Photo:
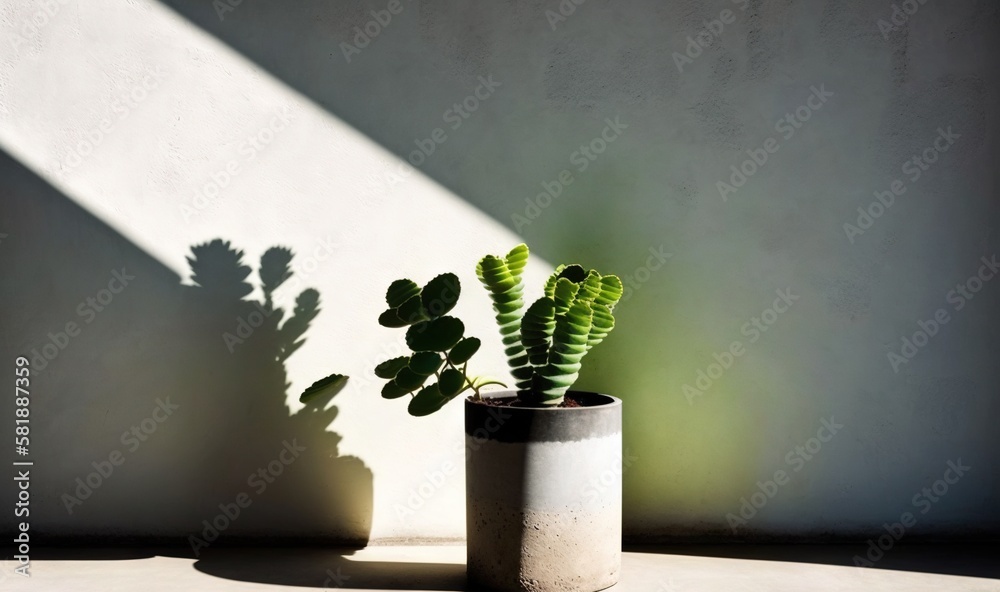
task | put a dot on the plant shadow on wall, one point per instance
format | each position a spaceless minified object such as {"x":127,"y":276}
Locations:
{"x":281,"y":461}
{"x":261,"y":338}
{"x":149,"y":421}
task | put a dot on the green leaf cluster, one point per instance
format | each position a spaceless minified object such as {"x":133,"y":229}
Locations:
{"x":546,"y":343}
{"x":435,"y":372}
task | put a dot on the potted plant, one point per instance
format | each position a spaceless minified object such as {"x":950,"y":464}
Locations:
{"x":534,"y":519}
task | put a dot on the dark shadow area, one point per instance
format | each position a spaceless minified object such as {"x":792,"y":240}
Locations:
{"x":158,"y":409}
{"x":447,"y":65}
{"x":306,"y":566}
{"x":328,"y":569}
{"x":958,"y":559}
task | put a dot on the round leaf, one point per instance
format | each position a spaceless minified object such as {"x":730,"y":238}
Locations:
{"x":390,"y":319}
{"x":451,"y":382}
{"x":389,"y":368}
{"x":320,"y":386}
{"x":425,"y":363}
{"x":441,"y":294}
{"x":392,"y":391}
{"x":400,"y":291}
{"x":427,"y":401}
{"x":409,"y":380}
{"x":412,"y":311}
{"x":439,"y":335}
{"x":464,"y":350}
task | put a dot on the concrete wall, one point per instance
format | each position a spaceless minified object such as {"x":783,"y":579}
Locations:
{"x":133,"y":131}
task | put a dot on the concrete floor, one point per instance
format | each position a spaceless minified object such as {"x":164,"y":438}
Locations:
{"x":690,"y":568}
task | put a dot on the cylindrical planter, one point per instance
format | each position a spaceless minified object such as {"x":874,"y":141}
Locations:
{"x":543,"y":495}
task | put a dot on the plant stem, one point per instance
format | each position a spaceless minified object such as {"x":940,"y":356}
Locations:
{"x":475,"y":389}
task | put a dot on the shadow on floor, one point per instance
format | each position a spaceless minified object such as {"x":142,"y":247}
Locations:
{"x":328,"y":568}
{"x":959,"y":559}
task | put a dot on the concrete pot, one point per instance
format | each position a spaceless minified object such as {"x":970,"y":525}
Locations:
{"x":544,"y":495}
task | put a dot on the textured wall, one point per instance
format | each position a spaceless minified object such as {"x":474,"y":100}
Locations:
{"x":716,"y":178}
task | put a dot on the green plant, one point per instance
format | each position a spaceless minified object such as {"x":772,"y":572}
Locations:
{"x":546,"y":343}
{"x":440,"y":347}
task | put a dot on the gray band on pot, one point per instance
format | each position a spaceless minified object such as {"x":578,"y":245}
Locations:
{"x":600,"y":415}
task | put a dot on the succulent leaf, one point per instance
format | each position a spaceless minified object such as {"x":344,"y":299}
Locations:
{"x":574,"y":273}
{"x":389,"y":368}
{"x":425,"y":363}
{"x":517,"y":259}
{"x":322,"y":385}
{"x":400,"y":291}
{"x":564,"y":295}
{"x":464,"y":350}
{"x":409,"y":380}
{"x":603,"y":323}
{"x":427,"y":401}
{"x":611,"y":291}
{"x":451,"y":383}
{"x":440,"y":295}
{"x":590,"y":288}
{"x":412,"y":311}
{"x":390,"y":318}
{"x":506,"y":289}
{"x":393,"y":391}
{"x":440,"y":334}
{"x":536,"y":330}
{"x":569,"y":344}
{"x":550,"y":284}
{"x":495,"y":275}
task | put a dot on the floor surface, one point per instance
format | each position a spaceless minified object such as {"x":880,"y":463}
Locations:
{"x":689,"y":568}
